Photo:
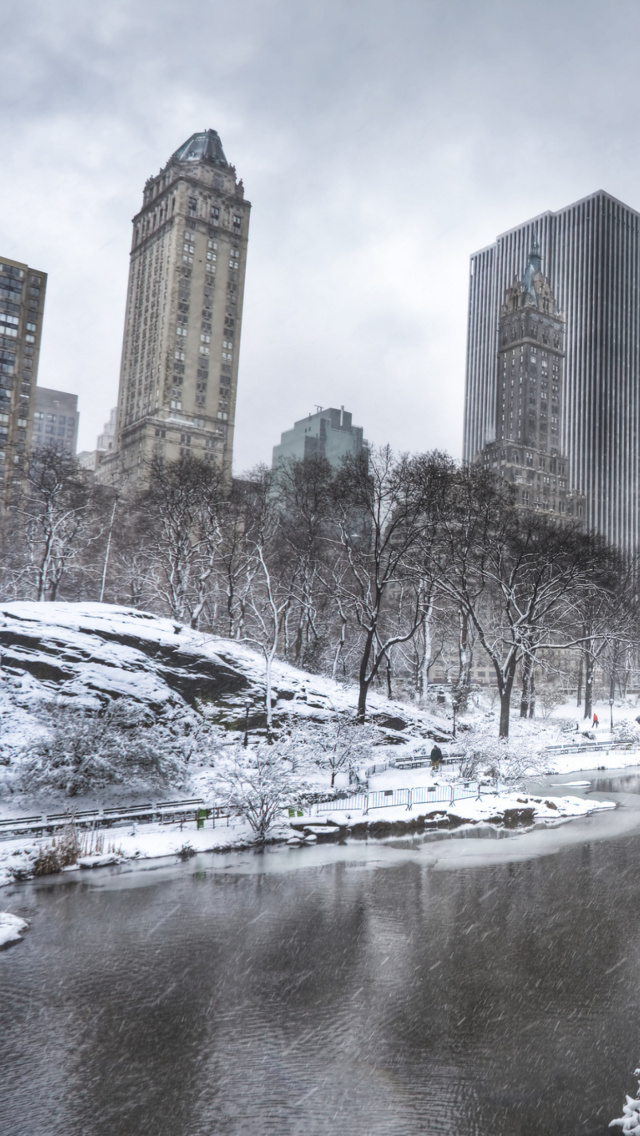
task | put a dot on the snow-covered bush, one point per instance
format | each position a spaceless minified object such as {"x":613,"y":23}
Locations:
{"x":337,"y":746}
{"x":85,"y":750}
{"x":629,"y":1122}
{"x":501,"y":758}
{"x":627,"y":732}
{"x":258,"y":784}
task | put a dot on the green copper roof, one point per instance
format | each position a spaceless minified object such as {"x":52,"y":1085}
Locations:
{"x":205,"y":144}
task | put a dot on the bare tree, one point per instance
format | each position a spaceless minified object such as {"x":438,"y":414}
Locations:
{"x":54,"y":517}
{"x":258,"y":784}
{"x":516,"y":575}
{"x":382,"y":515}
{"x":185,"y":508}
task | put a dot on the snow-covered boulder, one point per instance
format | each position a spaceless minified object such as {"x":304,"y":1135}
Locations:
{"x":11,"y":929}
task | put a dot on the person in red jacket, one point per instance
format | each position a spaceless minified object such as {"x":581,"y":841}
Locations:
{"x":596,"y":723}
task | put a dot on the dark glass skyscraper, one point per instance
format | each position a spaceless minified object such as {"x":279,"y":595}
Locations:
{"x":590,"y":253}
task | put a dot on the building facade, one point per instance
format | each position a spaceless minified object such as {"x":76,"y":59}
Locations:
{"x":591,"y":255}
{"x":179,"y":369}
{"x":105,"y":444}
{"x":56,"y":419}
{"x":22,"y":295}
{"x":328,"y":433}
{"x":526,"y":446}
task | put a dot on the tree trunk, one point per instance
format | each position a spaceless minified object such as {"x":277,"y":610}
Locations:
{"x":426,"y":658}
{"x":505,"y":686}
{"x":464,"y":652}
{"x":527,"y":678}
{"x":532,"y":695}
{"x":389,"y":688}
{"x":269,"y":710}
{"x":340,"y":648}
{"x":107,"y":551}
{"x":588,"y":685}
{"x":363,"y":681}
{"x":580,"y":674}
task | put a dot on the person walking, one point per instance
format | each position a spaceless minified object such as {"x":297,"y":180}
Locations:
{"x":596,"y":723}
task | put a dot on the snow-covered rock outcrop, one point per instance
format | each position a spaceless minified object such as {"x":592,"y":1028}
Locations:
{"x":98,"y":649}
{"x":89,"y":651}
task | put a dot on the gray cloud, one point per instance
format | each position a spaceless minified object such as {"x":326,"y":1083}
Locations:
{"x":380,"y":143}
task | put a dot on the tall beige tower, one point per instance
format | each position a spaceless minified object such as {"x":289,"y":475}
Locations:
{"x":179,"y":371}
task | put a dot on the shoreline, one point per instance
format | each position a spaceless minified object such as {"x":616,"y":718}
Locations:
{"x":510,"y":811}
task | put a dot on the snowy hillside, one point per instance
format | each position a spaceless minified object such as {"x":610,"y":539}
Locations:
{"x":94,"y":652}
{"x":167,"y":699}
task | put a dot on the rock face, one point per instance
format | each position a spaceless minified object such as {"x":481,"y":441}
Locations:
{"x":113,"y":652}
{"x":95,"y":652}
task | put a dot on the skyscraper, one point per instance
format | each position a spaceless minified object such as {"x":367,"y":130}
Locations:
{"x":56,"y":419}
{"x":328,"y":433}
{"x":22,"y":292}
{"x":591,"y":254}
{"x":525,"y":448}
{"x":179,"y":370}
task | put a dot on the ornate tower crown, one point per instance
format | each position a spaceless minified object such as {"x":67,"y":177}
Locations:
{"x":206,"y":144}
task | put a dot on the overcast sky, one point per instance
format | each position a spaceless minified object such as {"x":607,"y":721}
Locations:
{"x":380,"y":143}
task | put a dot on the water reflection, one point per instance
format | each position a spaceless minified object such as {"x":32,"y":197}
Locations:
{"x":233,"y":997}
{"x":617,"y":782}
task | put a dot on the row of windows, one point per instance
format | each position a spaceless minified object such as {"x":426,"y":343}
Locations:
{"x":214,"y":213}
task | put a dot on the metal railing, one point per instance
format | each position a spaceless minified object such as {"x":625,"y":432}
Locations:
{"x":592,"y":747}
{"x":395,"y":798}
{"x":162,"y":811}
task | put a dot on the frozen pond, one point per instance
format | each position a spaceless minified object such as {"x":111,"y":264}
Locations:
{"x":347,"y":990}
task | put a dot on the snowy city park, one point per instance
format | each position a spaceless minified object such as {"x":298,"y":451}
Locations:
{"x":128,"y":737}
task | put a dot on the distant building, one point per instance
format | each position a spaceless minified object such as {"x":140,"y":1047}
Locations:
{"x":328,"y":433}
{"x":22,"y":293}
{"x":106,"y":440}
{"x":56,"y":419}
{"x":526,"y":449}
{"x":90,"y":459}
{"x":591,"y":255}
{"x":179,"y":369}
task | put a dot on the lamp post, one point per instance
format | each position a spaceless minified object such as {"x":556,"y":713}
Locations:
{"x":247,"y":707}
{"x":611,"y":713}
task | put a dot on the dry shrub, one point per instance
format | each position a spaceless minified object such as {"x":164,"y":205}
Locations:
{"x":63,"y":851}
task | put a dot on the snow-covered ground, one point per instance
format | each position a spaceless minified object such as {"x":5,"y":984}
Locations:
{"x":200,"y":691}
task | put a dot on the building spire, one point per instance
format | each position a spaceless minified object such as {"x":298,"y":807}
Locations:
{"x":534,"y":256}
{"x":534,"y":266}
